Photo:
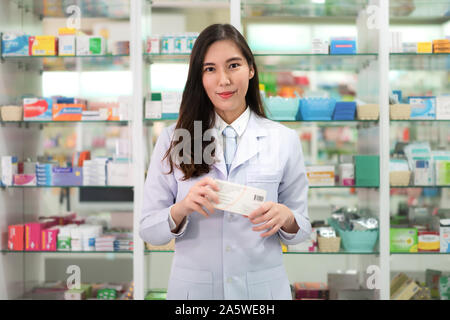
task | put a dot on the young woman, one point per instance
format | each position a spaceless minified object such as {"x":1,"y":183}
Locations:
{"x":220,"y":255}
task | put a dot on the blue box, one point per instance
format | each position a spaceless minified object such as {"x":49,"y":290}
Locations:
{"x":15,"y":45}
{"x":343,"y":47}
{"x":422,"y":108}
{"x":68,"y":176}
{"x":344,"y":110}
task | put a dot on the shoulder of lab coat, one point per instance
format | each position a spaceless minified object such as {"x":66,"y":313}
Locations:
{"x":293,"y":189}
{"x":160,"y":192}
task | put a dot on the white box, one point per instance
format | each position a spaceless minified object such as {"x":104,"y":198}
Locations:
{"x":320,"y":175}
{"x":171,"y":102}
{"x":9,"y":168}
{"x":84,"y":48}
{"x":153,"y":109}
{"x":443,"y":108}
{"x":67,"y":45}
{"x":444,"y":235}
{"x":120,"y":174}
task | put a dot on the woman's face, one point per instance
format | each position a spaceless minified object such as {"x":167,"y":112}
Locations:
{"x":226,"y":75}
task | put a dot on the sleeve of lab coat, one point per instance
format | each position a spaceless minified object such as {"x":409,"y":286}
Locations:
{"x":160,"y":192}
{"x":293,"y":191}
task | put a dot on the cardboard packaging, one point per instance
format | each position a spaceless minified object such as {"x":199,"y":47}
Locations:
{"x":444,"y":235}
{"x":171,"y":102}
{"x":320,"y":175}
{"x":67,"y":42}
{"x":428,"y":241}
{"x":311,"y":290}
{"x":24,"y":179}
{"x":9,"y":167}
{"x":424,"y":47}
{"x":367,"y":169}
{"x":68,"y":112}
{"x":33,"y":233}
{"x":43,"y":45}
{"x":444,"y":287}
{"x":405,"y":291}
{"x":422,"y":107}
{"x":153,"y":44}
{"x":153,"y":106}
{"x":16,"y":237}
{"x":432,"y":282}
{"x":342,"y":281}
{"x":15,"y":44}
{"x":50,"y":239}
{"x":90,"y":46}
{"x":68,"y":176}
{"x":443,"y":108}
{"x":342,"y":46}
{"x":37,"y":109}
{"x":403,"y":240}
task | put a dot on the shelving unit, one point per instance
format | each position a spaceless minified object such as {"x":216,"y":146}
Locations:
{"x":149,"y":268}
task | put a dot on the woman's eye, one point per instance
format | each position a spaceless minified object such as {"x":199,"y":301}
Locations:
{"x":234,"y":65}
{"x":209,"y":69}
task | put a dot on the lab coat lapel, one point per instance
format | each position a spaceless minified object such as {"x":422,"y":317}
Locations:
{"x":249,"y":146}
{"x":219,"y":163}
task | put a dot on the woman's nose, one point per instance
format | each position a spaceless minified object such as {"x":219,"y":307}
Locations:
{"x":224,"y":79}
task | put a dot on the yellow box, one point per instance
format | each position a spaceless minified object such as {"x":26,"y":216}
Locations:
{"x":424,"y":47}
{"x":43,"y":45}
{"x":67,"y":31}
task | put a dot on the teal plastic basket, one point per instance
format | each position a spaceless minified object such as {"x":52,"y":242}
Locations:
{"x":356,"y":241}
{"x":279,"y":108}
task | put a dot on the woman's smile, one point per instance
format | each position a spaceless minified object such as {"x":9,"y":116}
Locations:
{"x":226,"y":94}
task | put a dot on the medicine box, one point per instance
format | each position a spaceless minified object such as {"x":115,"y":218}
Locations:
{"x":428,"y":241}
{"x":50,"y":239}
{"x":16,"y":237}
{"x":67,"y":176}
{"x":320,"y":175}
{"x":424,"y":47}
{"x":367,"y":170}
{"x":37,"y":109}
{"x":24,"y":179}
{"x":442,"y":168}
{"x":444,"y":287}
{"x":171,"y":102}
{"x":422,"y":107}
{"x":33,"y":233}
{"x":67,"y":42}
{"x":444,"y":234}
{"x":443,"y":108}
{"x":403,"y":239}
{"x":90,"y":45}
{"x":153,"y":106}
{"x":68,"y":112}
{"x":343,"y":47}
{"x":15,"y":44}
{"x":43,"y":45}
{"x":8,"y":168}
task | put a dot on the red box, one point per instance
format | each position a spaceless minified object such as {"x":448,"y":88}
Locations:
{"x":50,"y":239}
{"x":33,"y":233}
{"x":16,"y":239}
{"x":311,"y":290}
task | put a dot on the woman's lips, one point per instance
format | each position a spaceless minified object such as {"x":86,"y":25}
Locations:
{"x":226,"y":94}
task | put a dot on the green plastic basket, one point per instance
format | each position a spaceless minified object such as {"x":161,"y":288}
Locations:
{"x":356,"y":241}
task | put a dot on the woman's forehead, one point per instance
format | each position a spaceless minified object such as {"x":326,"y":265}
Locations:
{"x":222,"y":51}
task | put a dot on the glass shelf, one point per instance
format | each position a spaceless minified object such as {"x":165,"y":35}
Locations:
{"x":421,"y":120}
{"x":115,"y":9}
{"x":341,"y":187}
{"x":404,"y":187}
{"x":420,"y":61}
{"x":106,"y":56}
{"x":420,"y":253}
{"x":292,"y":252}
{"x":30,"y":187}
{"x":63,"y":122}
{"x":324,"y":122}
{"x":67,"y":252}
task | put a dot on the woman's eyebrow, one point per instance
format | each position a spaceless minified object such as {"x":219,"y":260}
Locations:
{"x":228,"y":61}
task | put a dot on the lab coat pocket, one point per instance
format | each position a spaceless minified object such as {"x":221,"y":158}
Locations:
{"x":268,"y":181}
{"x":262,"y":285}
{"x":189,"y":284}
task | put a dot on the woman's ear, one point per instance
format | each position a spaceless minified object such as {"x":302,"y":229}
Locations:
{"x":252,"y":73}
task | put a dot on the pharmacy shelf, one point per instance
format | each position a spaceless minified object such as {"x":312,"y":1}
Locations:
{"x":30,"y":187}
{"x":420,"y":120}
{"x":321,"y":122}
{"x":408,"y":187}
{"x":290,"y":252}
{"x":115,"y":10}
{"x":112,"y":122}
{"x":342,"y":187}
{"x":106,"y":56}
{"x":422,"y":253}
{"x":66,"y":252}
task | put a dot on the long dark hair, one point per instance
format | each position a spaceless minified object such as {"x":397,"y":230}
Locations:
{"x":196,"y":105}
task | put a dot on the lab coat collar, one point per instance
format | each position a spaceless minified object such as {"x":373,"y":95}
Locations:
{"x":248,"y":146}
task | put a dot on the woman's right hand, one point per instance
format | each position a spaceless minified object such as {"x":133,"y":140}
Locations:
{"x":200,"y":197}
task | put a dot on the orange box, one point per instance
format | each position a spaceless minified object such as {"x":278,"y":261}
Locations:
{"x":68,"y":112}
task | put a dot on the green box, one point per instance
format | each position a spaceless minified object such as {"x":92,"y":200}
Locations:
{"x":367,"y":171}
{"x":403,"y":239}
{"x":156,"y":294}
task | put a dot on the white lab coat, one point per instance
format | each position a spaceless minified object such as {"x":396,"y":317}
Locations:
{"x":221,"y":257}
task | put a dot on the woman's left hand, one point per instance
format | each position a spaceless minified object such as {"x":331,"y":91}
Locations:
{"x":275,"y":216}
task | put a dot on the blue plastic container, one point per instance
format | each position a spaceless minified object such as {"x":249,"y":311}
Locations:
{"x":356,"y":241}
{"x":316,"y":109}
{"x":344,"y":110}
{"x":279,"y":108}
